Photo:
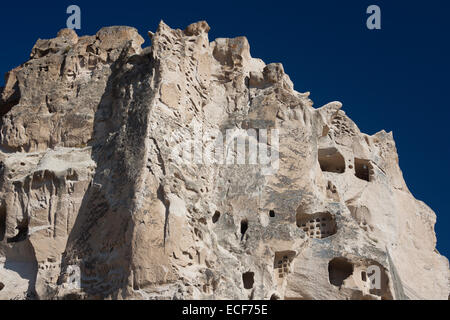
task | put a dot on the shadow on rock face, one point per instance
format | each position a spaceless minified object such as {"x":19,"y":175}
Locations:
{"x":100,"y":241}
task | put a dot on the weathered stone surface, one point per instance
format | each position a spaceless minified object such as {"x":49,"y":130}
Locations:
{"x":90,"y":185}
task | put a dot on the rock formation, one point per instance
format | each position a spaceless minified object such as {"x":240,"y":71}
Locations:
{"x":96,"y":203}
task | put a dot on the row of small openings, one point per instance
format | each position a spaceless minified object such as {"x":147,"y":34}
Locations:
{"x":319,"y":234}
{"x":321,"y":225}
{"x":282,"y":263}
{"x":283,"y":267}
{"x":318,"y":220}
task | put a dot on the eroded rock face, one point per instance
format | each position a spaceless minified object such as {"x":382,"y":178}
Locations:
{"x":95,"y":203}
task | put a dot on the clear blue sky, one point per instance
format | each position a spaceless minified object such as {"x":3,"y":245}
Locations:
{"x":395,"y":79}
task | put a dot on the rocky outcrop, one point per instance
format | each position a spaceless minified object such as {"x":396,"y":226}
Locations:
{"x":109,"y":189}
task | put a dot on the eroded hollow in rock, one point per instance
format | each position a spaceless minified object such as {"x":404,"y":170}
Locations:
{"x":22,"y":233}
{"x":339,"y":269}
{"x":275,"y":297}
{"x":10,"y":100}
{"x":363,"y":276}
{"x":272,"y":213}
{"x":2,"y":222}
{"x":244,"y":227}
{"x":1,"y":286}
{"x":362,"y":216}
{"x":363,"y":169}
{"x":216,"y":217}
{"x":248,"y":279}
{"x":319,"y":225}
{"x":331,"y":160}
{"x":332,"y":192}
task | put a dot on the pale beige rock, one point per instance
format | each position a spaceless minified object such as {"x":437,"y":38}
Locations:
{"x":89,"y":181}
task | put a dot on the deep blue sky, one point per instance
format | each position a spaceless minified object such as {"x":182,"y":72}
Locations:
{"x":395,"y":79}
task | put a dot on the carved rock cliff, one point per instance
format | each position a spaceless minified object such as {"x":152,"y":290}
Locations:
{"x":95,"y":204}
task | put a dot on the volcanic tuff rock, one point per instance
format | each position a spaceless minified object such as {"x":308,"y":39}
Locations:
{"x":89,"y":182}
